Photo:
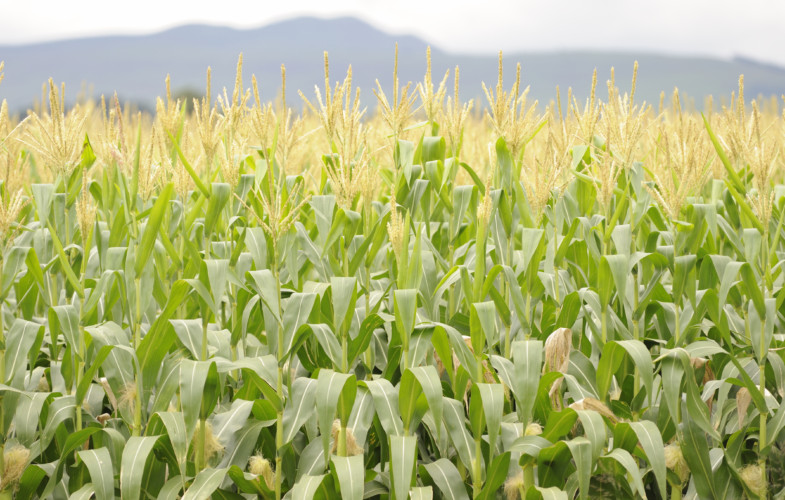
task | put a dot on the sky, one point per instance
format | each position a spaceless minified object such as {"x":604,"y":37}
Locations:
{"x":720,"y":28}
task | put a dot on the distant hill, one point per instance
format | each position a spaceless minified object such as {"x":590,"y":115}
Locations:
{"x":136,"y":66}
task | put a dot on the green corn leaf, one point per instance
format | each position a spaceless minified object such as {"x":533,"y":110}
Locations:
{"x":84,"y":493}
{"x":421,"y":493}
{"x":189,"y":333}
{"x":245,"y":440}
{"x":248,"y":483}
{"x":87,"y":377}
{"x":594,"y":429}
{"x":135,"y":455}
{"x":683,"y":276}
{"x":296,"y":310}
{"x":496,"y":475}
{"x":614,"y":270}
{"x":650,"y":440}
{"x":454,"y":421}
{"x":428,"y":379}
{"x":581,"y":452}
{"x":178,"y":436}
{"x":484,"y":329}
{"x":299,"y":408}
{"x":217,"y":273}
{"x":344,"y":295}
{"x":171,"y":489}
{"x":403,"y":458}
{"x":328,"y":342}
{"x":559,"y":424}
{"x":444,"y":475}
{"x":197,"y":181}
{"x":529,"y":446}
{"x":306,"y":487}
{"x":349,"y":472}
{"x":72,"y":443}
{"x":696,"y":454}
{"x":31,"y":478}
{"x":20,"y":341}
{"x":672,"y":369}
{"x":410,"y":401}
{"x":774,"y":427}
{"x":220,"y":195}
{"x":156,"y":343}
{"x":527,"y":359}
{"x":256,"y":242}
{"x":152,"y":228}
{"x":623,"y":458}
{"x":385,"y":401}
{"x":551,"y":493}
{"x":205,"y":483}
{"x":198,"y":381}
{"x":99,"y":464}
{"x":26,"y":416}
{"x":405,"y":308}
{"x":610,"y":361}
{"x":335,"y":393}
{"x":492,"y":396}
{"x":61,"y":410}
{"x":65,"y":263}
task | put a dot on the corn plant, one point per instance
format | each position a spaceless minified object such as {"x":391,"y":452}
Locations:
{"x":555,"y":301}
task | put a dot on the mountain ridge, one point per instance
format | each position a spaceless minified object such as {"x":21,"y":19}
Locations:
{"x":135,"y":66}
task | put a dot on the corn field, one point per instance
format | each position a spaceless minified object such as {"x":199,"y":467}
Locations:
{"x":446,"y":299}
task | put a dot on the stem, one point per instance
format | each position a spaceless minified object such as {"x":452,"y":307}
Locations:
{"x":676,"y":327}
{"x":479,"y":264}
{"x":762,"y":433}
{"x":78,"y":378}
{"x":368,"y":352}
{"x":636,"y":332}
{"x":341,"y":445}
{"x":528,"y":478}
{"x":507,"y":288}
{"x":477,"y":483}
{"x":604,"y":323}
{"x":55,"y":297}
{"x":78,"y":411}
{"x":137,"y":427}
{"x":279,"y":437}
{"x":762,"y":438}
{"x":138,"y":316}
{"x":676,"y":493}
{"x":345,"y":352}
{"x":450,"y":260}
{"x":279,"y":382}
{"x":202,"y":438}
{"x":367,"y":211}
{"x":181,"y":271}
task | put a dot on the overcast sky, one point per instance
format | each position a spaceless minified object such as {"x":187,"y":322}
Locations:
{"x":722,"y":28}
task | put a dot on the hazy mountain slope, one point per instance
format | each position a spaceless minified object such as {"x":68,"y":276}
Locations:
{"x":136,"y":66}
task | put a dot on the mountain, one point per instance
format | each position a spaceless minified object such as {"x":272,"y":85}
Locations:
{"x":136,"y":66}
